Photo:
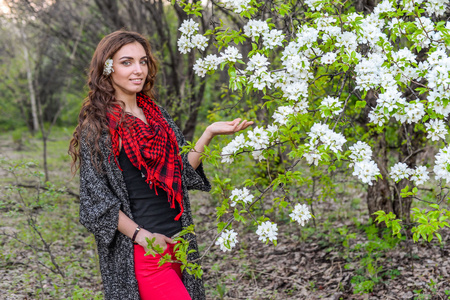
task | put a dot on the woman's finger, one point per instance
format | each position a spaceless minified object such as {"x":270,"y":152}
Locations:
{"x":241,"y":126}
{"x":244,"y":125}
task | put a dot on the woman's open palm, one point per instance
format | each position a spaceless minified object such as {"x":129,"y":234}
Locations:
{"x":228,"y":127}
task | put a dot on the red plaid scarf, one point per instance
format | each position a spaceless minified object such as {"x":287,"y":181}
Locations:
{"x":151,"y":148}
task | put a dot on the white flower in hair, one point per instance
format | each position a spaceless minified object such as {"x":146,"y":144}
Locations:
{"x":108,"y":67}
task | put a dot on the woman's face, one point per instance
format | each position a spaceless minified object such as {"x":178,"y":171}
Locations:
{"x":130,"y":66}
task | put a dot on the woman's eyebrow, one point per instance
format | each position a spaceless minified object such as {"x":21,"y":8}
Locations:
{"x":129,"y":57}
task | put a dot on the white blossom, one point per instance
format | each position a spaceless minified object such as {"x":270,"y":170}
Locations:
{"x":438,"y":107}
{"x":307,"y":36}
{"x":227,"y":240}
{"x":237,"y":6}
{"x":301,"y":214}
{"x":315,"y":5}
{"x":301,"y":107}
{"x":391,"y":99}
{"x":258,"y":62}
{"x":282,"y":114}
{"x":409,"y":4}
{"x":371,"y":30}
{"x":189,"y":27}
{"x":313,"y":157}
{"x":108,"y":68}
{"x":184,"y":44}
{"x":209,"y":63}
{"x":258,"y":138}
{"x":261,"y":80}
{"x":425,"y":26}
{"x":383,"y":7}
{"x":366,"y":171}
{"x":325,"y":22}
{"x":231,"y":54}
{"x":436,"y":7}
{"x":297,"y":65}
{"x":258,"y":155}
{"x":272,"y":129}
{"x":400,"y":171}
{"x":435,"y":58}
{"x":360,"y":152}
{"x":199,"y":41}
{"x":321,"y":133}
{"x":403,"y":56}
{"x":333,"y":104}
{"x":240,"y":195}
{"x":436,"y":129}
{"x":295,"y":90}
{"x":273,"y":38}
{"x":414,"y":112}
{"x":235,"y":145}
{"x":255,"y":28}
{"x":267,"y":231}
{"x":442,"y":164}
{"x":328,"y":58}
{"x":377,"y":117}
{"x":347,"y":39}
{"x":200,"y":67}
{"x":419,"y":175}
{"x":353,"y":16}
{"x":371,"y":73}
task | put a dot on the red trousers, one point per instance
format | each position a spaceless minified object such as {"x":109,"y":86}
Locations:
{"x":158,"y":283}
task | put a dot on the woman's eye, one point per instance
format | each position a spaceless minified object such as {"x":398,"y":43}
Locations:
{"x":126,"y":63}
{"x":144,"y":62}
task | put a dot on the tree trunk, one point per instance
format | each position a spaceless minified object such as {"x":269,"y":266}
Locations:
{"x":34,"y":112}
{"x":379,"y":195}
{"x":44,"y":142}
{"x":402,"y":206}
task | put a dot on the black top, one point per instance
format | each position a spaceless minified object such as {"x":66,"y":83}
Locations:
{"x":150,"y":210}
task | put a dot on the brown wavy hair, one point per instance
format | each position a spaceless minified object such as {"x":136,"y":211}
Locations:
{"x":100,"y":99}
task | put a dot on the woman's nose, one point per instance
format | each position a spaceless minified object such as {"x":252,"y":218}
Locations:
{"x":138,"y":69}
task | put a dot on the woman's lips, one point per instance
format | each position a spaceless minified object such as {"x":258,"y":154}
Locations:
{"x":136,"y":81}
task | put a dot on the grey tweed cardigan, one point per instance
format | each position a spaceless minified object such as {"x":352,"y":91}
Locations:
{"x":101,"y":198}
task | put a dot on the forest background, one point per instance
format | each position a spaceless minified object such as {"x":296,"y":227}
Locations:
{"x":45,"y":48}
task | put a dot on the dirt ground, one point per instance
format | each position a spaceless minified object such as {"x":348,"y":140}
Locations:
{"x":313,"y":269}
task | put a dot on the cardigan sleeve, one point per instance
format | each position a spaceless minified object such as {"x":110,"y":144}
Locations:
{"x":193,"y":179}
{"x":99,"y":206}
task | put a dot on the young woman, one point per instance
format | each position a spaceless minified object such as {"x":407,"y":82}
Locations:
{"x":133,"y":181}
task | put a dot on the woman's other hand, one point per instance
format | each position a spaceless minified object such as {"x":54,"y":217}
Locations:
{"x":160,"y":239}
{"x":227,"y":127}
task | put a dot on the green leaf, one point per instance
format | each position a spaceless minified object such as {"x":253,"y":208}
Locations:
{"x":360,"y":104}
{"x":439,"y":237}
{"x":435,"y":206}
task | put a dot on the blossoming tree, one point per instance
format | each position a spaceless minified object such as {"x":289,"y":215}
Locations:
{"x":344,"y":92}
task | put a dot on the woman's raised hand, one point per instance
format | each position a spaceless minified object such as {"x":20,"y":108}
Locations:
{"x":217,"y":128}
{"x":228,"y":127}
